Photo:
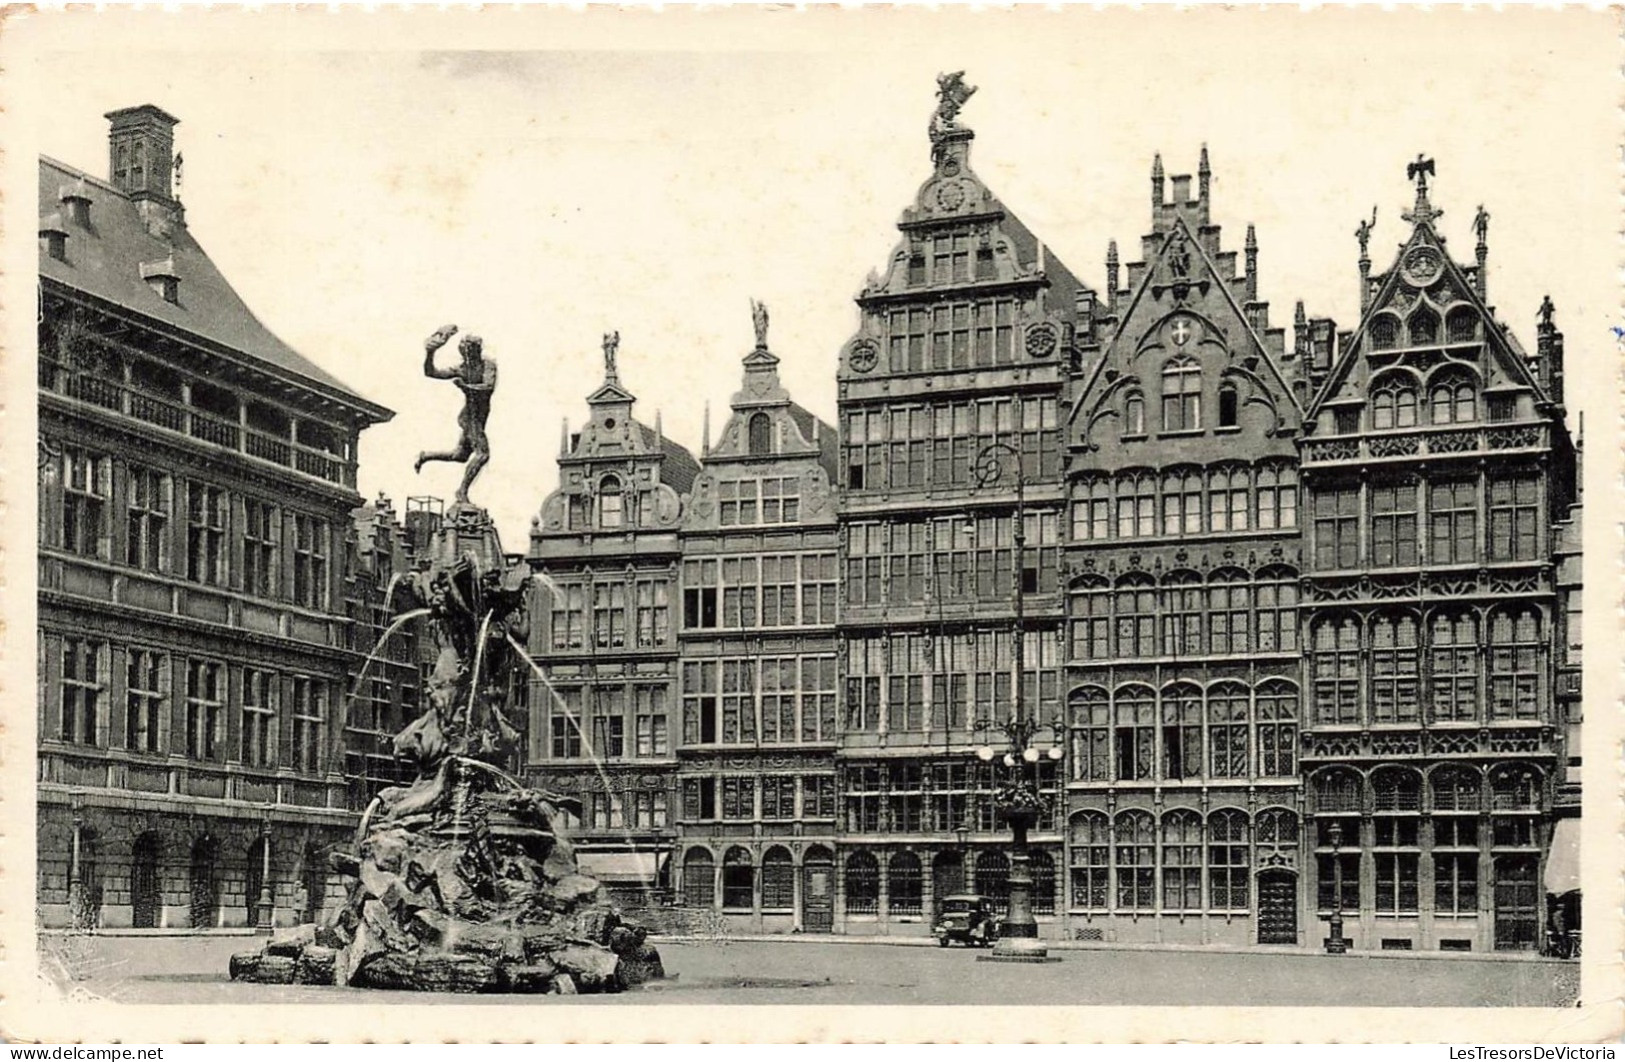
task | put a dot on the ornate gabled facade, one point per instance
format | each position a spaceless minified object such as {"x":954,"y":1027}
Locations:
{"x":197,"y":477}
{"x":1183,"y":551}
{"x":605,"y":552}
{"x":964,"y":343}
{"x":1436,"y":466}
{"x":757,"y":634}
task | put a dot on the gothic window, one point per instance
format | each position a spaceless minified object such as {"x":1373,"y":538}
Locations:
{"x":1042,"y":869}
{"x":1181,"y":395}
{"x":1182,"y":619}
{"x":1136,"y":505}
{"x":1337,"y":804}
{"x":1134,"y":858}
{"x":1456,"y":812}
{"x":1091,"y":622}
{"x":1227,"y":731}
{"x":1454,"y":670}
{"x":1394,"y":669}
{"x":1515,"y":807}
{"x":1452,"y":399}
{"x":1229,"y":407}
{"x":1229,"y":609}
{"x":1277,"y":617}
{"x":1453,"y":516}
{"x":1461,"y":324}
{"x":1228,"y":860}
{"x":1091,"y":736}
{"x":1337,"y":528}
{"x":1091,"y":512}
{"x":1336,"y":669}
{"x":1134,"y":735}
{"x":761,"y":433}
{"x":1134,"y":414}
{"x":1277,"y":729}
{"x":611,"y":513}
{"x":1277,"y":497}
{"x":1181,"y":861}
{"x":1514,"y":517}
{"x":1181,"y":732}
{"x":1393,"y":525}
{"x":1181,"y":503}
{"x":1384,"y":333}
{"x":1424,"y":327}
{"x":1136,"y":616}
{"x":1227,"y":499}
{"x":1393,"y":402}
{"x":1396,"y":832}
{"x":1091,"y":860}
{"x":1515,"y":652}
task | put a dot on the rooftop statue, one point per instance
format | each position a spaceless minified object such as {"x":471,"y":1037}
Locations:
{"x":476,"y":377}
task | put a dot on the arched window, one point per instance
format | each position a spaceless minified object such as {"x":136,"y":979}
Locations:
{"x":1393,"y":403}
{"x":1515,"y":788}
{"x":1229,"y":406}
{"x":761,"y":433}
{"x":1041,"y":865}
{"x":1454,"y":666}
{"x":1424,"y":327}
{"x":862,"y":884}
{"x":1181,"y":732}
{"x":993,"y":879}
{"x":904,"y":884}
{"x":1395,"y":669}
{"x":1091,"y":735}
{"x":1277,"y":497}
{"x":1134,"y":860}
{"x":1136,"y":505}
{"x":947,"y":875}
{"x":699,"y":878}
{"x":1134,"y":413}
{"x":1091,"y":860}
{"x":1182,"y":618}
{"x":1277,"y":729}
{"x":1276,"y":596}
{"x":1181,"y":395}
{"x":1396,"y":789}
{"x":1227,"y":730}
{"x":1134,"y":734}
{"x":1278,"y":827}
{"x":778,"y":880}
{"x":1453,"y":399}
{"x":1136,"y":616}
{"x":738,"y":879}
{"x":1337,"y":792}
{"x":1181,"y":503}
{"x":1336,"y":664}
{"x":1229,"y":604}
{"x":1227,"y":499}
{"x":1228,"y":860}
{"x":1181,"y":861}
{"x":611,"y":503}
{"x":1092,"y":511}
{"x":1384,"y":333}
{"x":1461,"y":324}
{"x":1091,"y":620}
{"x":1515,"y":665}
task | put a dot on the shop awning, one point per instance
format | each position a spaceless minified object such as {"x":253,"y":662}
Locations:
{"x":1563,"y":861}
{"x":622,"y":867}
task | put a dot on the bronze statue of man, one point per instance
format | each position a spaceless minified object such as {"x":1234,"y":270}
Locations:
{"x":476,"y":377}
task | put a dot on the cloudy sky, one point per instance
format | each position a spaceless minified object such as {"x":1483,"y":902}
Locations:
{"x":542,"y":179}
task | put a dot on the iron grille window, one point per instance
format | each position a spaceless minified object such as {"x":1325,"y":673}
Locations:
{"x":904,"y":884}
{"x":862,"y":884}
{"x":778,"y":881}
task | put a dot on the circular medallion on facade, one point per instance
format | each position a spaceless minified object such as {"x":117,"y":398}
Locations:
{"x":1422,"y":266}
{"x":950,"y":195}
{"x":1041,"y":341}
{"x":864,"y":356}
{"x":950,"y":167}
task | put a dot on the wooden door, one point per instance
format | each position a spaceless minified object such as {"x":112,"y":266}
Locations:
{"x":1277,"y":907}
{"x":144,"y":896}
{"x":818,"y":896}
{"x":1517,"y":895}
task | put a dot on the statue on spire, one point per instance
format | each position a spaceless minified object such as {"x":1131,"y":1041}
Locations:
{"x":1547,"y":310}
{"x":758,"y":316}
{"x":1481,"y":225}
{"x":612,"y":343}
{"x":1363,"y":233}
{"x":1423,"y":213}
{"x":952,"y":92}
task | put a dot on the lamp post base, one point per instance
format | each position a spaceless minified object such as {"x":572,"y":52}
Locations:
{"x":1019,"y":949}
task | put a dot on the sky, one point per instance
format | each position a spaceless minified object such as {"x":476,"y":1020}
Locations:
{"x":542,"y":180}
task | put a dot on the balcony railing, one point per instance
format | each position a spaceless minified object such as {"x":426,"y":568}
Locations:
{"x":1424,"y":443}
{"x":118,"y":770}
{"x":211,"y":428}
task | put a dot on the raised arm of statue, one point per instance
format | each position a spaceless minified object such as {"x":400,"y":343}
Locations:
{"x":440,"y":338}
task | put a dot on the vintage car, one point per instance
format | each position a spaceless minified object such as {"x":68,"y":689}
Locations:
{"x":967,"y":919}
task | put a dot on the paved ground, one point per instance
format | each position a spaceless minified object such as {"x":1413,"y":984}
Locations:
{"x":180,"y":969}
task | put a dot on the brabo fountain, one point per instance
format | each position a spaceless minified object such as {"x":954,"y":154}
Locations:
{"x":464,"y":880}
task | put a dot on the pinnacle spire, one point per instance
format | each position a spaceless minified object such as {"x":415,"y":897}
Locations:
{"x":1423,"y":212}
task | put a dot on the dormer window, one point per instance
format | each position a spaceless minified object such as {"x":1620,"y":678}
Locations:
{"x":54,"y":238}
{"x":611,"y":504}
{"x":163,"y":279}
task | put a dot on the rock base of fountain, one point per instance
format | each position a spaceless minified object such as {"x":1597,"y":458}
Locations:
{"x":480,"y":895}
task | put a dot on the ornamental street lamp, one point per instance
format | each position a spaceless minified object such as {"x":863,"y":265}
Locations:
{"x":1335,"y":944}
{"x":1018,"y":797}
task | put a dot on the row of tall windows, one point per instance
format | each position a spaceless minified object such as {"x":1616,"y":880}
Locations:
{"x":643,"y":809}
{"x":898,"y":887}
{"x":274,"y":553}
{"x":772,"y":590}
{"x":914,"y":796}
{"x":1134,"y":733}
{"x":1422,"y":329}
{"x":1399,"y":533}
{"x":1399,"y":401}
{"x":752,"y":798}
{"x":950,"y":558}
{"x":741,"y":880}
{"x":934,"y":445}
{"x":1185,"y":615}
{"x":176,"y":703}
{"x":759,"y":500}
{"x":759,"y":701}
{"x":1190,"y":501}
{"x":609,"y":722}
{"x":1452,"y":675}
{"x":961,"y":334}
{"x":623,"y":614}
{"x":1180,"y":865}
{"x":914,"y":681}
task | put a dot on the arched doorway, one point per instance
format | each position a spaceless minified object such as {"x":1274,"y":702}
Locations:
{"x":818,"y":890}
{"x":205,"y":905}
{"x":1277,"y":907}
{"x":699,"y":878}
{"x":254,"y":879}
{"x":145,"y":897}
{"x":947,"y":877}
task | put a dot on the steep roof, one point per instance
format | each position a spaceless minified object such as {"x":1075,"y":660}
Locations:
{"x":105,"y":262}
{"x":679,"y":467}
